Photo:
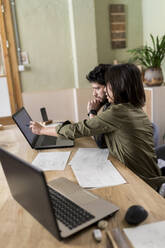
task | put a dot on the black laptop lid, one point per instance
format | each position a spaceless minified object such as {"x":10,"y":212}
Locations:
{"x":22,"y":119}
{"x":28,"y":187}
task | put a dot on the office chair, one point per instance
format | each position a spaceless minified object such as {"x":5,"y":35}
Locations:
{"x":160,"y":152}
{"x":156,"y":134}
{"x":159,"y":149}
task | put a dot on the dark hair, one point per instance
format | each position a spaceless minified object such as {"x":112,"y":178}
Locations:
{"x":98,"y":74}
{"x":126,"y":83}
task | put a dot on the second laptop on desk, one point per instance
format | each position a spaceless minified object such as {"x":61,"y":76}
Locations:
{"x":22,"y":119}
{"x":61,"y":206}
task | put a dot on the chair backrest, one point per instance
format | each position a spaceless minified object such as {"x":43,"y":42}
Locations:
{"x":156,"y":134}
{"x":160,"y":152}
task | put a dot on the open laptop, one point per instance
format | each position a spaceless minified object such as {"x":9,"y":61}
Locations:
{"x":61,"y":206}
{"x":22,"y":119}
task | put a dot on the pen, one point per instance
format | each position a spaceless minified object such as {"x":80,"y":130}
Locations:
{"x":111,"y":241}
{"x":120,"y":238}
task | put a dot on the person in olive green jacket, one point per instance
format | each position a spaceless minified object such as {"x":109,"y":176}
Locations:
{"x":127,"y":129}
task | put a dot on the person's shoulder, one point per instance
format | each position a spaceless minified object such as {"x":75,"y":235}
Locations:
{"x":114,"y":108}
{"x":123,"y":107}
{"x":119,"y":107}
{"x":119,"y":110}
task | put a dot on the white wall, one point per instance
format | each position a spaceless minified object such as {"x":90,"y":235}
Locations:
{"x":153,"y":18}
{"x":5,"y":109}
{"x":60,"y":39}
{"x":66,"y":104}
{"x":153,"y":21}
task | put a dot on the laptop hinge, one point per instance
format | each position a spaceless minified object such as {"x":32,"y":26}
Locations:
{"x":35,"y":140}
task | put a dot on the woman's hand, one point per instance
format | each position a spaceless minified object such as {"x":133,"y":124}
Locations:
{"x":36,"y":128}
{"x":39,"y":129}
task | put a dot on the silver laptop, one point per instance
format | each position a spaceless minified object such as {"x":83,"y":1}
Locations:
{"x":61,"y":206}
{"x":22,"y":119}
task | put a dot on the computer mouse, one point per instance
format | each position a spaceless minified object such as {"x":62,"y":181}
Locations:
{"x":135,"y":215}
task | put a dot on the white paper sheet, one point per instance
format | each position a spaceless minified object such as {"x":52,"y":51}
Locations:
{"x":87,"y":155}
{"x":51,"y":160}
{"x":147,"y":236}
{"x":92,"y":169}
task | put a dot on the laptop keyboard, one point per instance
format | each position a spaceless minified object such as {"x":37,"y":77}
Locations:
{"x":44,"y":140}
{"x":69,"y":213}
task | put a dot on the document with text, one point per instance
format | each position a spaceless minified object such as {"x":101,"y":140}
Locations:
{"x":86,"y":155}
{"x":51,"y":160}
{"x":93,"y":170}
{"x":147,"y":236}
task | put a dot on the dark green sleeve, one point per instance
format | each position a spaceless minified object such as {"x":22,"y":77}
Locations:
{"x":97,"y":125}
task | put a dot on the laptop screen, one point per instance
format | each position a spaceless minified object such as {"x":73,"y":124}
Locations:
{"x":29,"y":188}
{"x":22,"y":119}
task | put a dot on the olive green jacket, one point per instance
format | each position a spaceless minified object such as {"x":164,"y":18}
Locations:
{"x":129,"y":137}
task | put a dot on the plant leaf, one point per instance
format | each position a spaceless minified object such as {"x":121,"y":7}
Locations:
{"x":150,"y":56}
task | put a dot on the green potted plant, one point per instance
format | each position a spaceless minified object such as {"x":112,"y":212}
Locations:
{"x":151,"y":58}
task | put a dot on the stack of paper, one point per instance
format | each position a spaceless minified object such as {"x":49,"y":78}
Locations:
{"x":92,"y":169}
{"x":51,"y":160}
{"x":147,"y":236}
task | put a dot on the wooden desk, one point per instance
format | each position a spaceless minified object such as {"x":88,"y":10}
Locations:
{"x":20,"y":229}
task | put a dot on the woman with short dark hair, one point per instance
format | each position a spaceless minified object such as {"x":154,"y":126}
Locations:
{"x":127,"y":129}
